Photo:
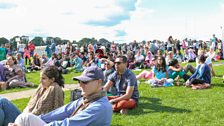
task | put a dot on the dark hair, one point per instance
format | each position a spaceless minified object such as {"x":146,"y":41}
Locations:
{"x":53,"y":72}
{"x":173,"y":62}
{"x":161,"y":66}
{"x":124,"y":58}
{"x":202,"y":58}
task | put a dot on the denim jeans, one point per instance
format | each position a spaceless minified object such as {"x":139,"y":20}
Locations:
{"x":8,"y":112}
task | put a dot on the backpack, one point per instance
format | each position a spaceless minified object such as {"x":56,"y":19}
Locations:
{"x":75,"y":94}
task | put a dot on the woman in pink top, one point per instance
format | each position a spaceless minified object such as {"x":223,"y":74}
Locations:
{"x":26,"y":54}
{"x":147,"y":74}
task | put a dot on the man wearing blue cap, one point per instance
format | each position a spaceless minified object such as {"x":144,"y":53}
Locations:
{"x":93,"y":109}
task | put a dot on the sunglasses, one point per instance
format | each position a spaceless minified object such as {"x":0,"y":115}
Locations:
{"x":84,"y":82}
{"x":118,"y":63}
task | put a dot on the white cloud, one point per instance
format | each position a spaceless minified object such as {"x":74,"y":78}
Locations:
{"x":67,"y":19}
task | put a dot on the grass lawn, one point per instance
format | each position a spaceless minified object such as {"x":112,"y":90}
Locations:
{"x":170,"y":106}
{"x":34,"y":77}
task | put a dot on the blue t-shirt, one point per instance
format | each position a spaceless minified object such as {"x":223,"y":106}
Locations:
{"x":159,"y":74}
{"x":128,"y":79}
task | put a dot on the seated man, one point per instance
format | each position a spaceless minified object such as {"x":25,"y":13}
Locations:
{"x":126,"y":86}
{"x":93,"y":109}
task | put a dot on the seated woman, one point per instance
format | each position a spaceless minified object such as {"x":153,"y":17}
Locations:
{"x":219,"y":55}
{"x":131,"y":61}
{"x":176,"y":71}
{"x":48,"y":96}
{"x":36,"y":63}
{"x":76,"y":61}
{"x":91,"y":61}
{"x":160,"y":74}
{"x":191,"y":56}
{"x":53,"y":60}
{"x":148,"y":60}
{"x":178,"y":56}
{"x":169,"y":57}
{"x":139,"y":59}
{"x":201,"y":79}
{"x":14,"y":74}
{"x":147,"y":74}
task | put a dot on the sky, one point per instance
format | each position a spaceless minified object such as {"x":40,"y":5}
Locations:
{"x":116,"y":20}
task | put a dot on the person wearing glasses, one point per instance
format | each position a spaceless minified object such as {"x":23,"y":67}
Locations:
{"x":93,"y":109}
{"x":126,"y":86}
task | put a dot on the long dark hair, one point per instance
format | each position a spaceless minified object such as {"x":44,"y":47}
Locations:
{"x":162,"y":66}
{"x":53,"y":72}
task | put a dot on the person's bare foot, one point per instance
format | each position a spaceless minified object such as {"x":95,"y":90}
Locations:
{"x":3,"y":85}
{"x":178,"y":83}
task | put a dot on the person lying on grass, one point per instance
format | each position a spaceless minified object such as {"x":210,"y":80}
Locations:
{"x":48,"y":96}
{"x":201,"y":78}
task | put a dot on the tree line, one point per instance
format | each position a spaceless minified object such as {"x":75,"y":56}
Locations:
{"x":39,"y":41}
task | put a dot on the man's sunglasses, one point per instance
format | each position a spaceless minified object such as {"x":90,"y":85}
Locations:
{"x":84,"y":82}
{"x":118,"y":63}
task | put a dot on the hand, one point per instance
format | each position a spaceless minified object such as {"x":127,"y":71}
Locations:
{"x":187,"y":83}
{"x":163,"y":80}
{"x":13,"y":124}
{"x":112,"y":101}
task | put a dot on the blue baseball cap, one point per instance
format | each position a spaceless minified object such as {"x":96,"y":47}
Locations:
{"x":90,"y":73}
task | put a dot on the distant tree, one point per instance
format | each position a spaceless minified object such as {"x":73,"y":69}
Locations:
{"x":48,"y":40}
{"x":3,"y":41}
{"x":64,"y":41}
{"x":86,"y":41}
{"x":24,"y":39}
{"x":74,"y":42}
{"x":57,"y":40}
{"x":38,"y":41}
{"x":104,"y":42}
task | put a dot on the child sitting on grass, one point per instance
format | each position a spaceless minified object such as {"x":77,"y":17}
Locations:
{"x":160,"y":74}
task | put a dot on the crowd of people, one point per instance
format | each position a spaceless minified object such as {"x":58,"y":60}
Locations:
{"x":107,"y":81}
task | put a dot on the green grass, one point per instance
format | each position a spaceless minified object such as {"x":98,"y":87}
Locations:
{"x":170,"y":106}
{"x":34,"y":77}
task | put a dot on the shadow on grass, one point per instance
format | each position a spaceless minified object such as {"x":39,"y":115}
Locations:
{"x":153,"y":105}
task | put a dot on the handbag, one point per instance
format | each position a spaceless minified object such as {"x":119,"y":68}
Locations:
{"x":75,"y":94}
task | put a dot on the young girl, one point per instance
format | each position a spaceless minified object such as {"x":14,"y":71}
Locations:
{"x":160,"y":74}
